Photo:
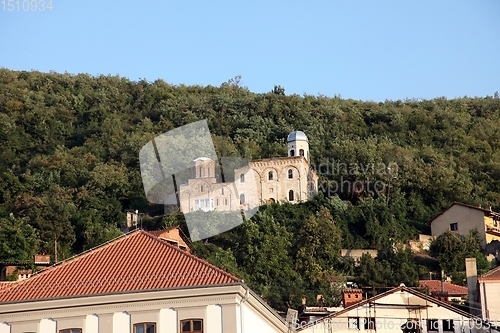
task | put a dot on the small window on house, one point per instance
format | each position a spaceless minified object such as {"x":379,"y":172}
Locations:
{"x":270,"y":175}
{"x":71,"y":330}
{"x":290,"y":174}
{"x":454,"y":226}
{"x":192,"y":326}
{"x":225,"y":202}
{"x":271,"y":190}
{"x":292,"y":152}
{"x":353,"y":323}
{"x":370,"y":323}
{"x":448,"y":325}
{"x":242,"y":199}
{"x":242,"y":178}
{"x":290,"y":195}
{"x":222,"y":191}
{"x":217,"y":204}
{"x":199,"y":171}
{"x":301,"y":152}
{"x":432,"y":325}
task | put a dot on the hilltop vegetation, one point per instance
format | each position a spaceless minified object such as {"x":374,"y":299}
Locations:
{"x":69,"y":171}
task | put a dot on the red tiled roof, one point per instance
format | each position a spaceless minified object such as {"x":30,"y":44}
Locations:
{"x":6,"y":284}
{"x":452,"y":289}
{"x":493,"y":275}
{"x":133,"y":262}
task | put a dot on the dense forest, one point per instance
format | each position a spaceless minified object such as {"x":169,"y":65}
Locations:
{"x":69,"y":172}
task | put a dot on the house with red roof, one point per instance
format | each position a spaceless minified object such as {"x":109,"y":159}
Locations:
{"x":489,"y":291}
{"x":446,"y":289}
{"x":136,"y":283}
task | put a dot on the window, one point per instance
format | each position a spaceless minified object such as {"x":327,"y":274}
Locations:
{"x":242,"y":199}
{"x":71,"y":330}
{"x":217,"y":204}
{"x":192,"y":326}
{"x":145,"y":328}
{"x":290,"y":195}
{"x":454,"y":226}
{"x":222,"y":191}
{"x":353,"y":323}
{"x":448,"y":325}
{"x":290,"y":173}
{"x":432,"y":325}
{"x":225,"y":202}
{"x":199,"y":170}
{"x":202,"y":188}
{"x":242,"y":178}
{"x":370,"y":323}
{"x":208,"y":172}
{"x":292,"y":152}
{"x":271,"y":190}
{"x":301,"y":152}
{"x":270,"y":175}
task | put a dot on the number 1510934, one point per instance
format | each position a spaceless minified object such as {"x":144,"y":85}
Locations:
{"x":26,"y":5}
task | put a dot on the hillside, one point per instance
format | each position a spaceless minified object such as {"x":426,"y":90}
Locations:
{"x":70,"y":170}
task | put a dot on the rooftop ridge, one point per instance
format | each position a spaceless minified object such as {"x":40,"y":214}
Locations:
{"x":192,"y":256}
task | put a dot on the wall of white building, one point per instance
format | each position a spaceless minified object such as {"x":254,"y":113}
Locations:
{"x":390,"y":317}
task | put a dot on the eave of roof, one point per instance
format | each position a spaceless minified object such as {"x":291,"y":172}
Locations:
{"x":491,"y":276}
{"x":487,"y":211}
{"x":133,"y":262}
{"x":400,"y":288}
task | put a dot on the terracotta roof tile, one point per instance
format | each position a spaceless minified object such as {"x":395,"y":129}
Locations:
{"x":493,"y":275}
{"x":452,"y":289}
{"x":6,"y":284}
{"x":133,"y":262}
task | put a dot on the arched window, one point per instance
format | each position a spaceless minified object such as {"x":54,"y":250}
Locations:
{"x":290,"y":195}
{"x":200,"y":171}
{"x":242,"y":178}
{"x":202,"y":188}
{"x":290,"y":173}
{"x":301,"y":152}
{"x":222,"y":191}
{"x":208,"y":171}
{"x":225,"y":202}
{"x":270,"y":175}
{"x":242,"y":199}
{"x":292,"y":152}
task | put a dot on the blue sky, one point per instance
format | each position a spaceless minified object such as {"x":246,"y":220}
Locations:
{"x":368,"y":50}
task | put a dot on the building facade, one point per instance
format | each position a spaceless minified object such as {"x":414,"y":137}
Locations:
{"x":399,"y":310}
{"x":289,"y":179}
{"x":137,"y":283}
{"x":463,"y":218}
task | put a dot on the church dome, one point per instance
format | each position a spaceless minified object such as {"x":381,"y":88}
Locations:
{"x":297,"y":136}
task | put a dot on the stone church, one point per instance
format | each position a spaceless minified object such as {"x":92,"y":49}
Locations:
{"x":269,"y":180}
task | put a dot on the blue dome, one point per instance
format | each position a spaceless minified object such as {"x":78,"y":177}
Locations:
{"x":297,"y":136}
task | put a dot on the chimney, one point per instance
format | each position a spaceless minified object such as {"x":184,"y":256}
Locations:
{"x":42,"y":259}
{"x":488,"y":208}
{"x":473,"y":295}
{"x":351,"y":296}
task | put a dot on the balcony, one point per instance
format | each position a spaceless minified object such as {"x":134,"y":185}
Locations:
{"x":495,"y":231}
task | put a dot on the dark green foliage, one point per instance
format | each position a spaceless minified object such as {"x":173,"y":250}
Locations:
{"x":69,"y":170}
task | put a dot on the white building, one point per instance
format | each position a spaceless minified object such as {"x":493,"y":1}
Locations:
{"x":389,"y":311}
{"x":289,"y":178}
{"x":136,"y":283}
